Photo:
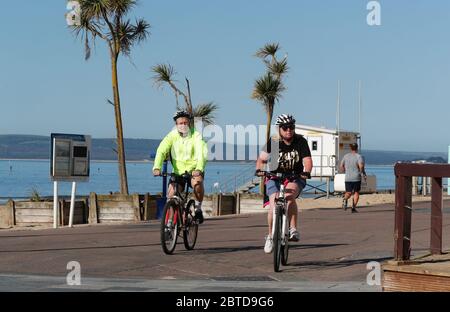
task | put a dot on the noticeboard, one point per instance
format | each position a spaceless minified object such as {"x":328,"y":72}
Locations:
{"x":70,"y":157}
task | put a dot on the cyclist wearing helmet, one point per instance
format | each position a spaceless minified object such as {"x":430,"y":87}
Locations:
{"x":294,"y":156}
{"x":188,"y":153}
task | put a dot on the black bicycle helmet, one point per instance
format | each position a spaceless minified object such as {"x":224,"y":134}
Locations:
{"x":285,"y":119}
{"x":182,"y":113}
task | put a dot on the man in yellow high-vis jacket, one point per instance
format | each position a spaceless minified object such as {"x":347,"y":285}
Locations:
{"x":188,"y":153}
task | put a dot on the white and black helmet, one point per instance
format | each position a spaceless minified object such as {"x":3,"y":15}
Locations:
{"x":285,"y":119}
{"x":181,"y":113}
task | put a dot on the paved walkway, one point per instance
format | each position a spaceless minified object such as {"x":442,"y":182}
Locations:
{"x":332,"y":254}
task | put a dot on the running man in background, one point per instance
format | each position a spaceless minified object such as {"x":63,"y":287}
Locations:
{"x":353,"y":166}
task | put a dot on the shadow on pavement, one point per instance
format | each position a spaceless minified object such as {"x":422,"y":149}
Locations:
{"x":335,"y":263}
{"x":216,"y":250}
{"x":77,"y":248}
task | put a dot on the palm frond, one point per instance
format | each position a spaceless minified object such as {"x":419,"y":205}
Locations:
{"x":94,"y":9}
{"x":141,"y":31}
{"x":278,"y":68}
{"x":268,"y":89}
{"x":206,"y":112}
{"x":124,"y":35}
{"x":270,"y":49}
{"x":163,"y":74}
{"x":121,"y":7}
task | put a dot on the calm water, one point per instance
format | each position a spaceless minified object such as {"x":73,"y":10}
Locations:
{"x":19,"y":178}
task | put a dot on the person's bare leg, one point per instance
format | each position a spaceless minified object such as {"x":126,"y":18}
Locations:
{"x":171,"y":191}
{"x":292,"y":191}
{"x":355,"y":199}
{"x":199,"y":190}
{"x":270,"y":213}
{"x":347,"y":195}
{"x":171,"y":194}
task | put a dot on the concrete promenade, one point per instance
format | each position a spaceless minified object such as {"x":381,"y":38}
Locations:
{"x":332,"y":254}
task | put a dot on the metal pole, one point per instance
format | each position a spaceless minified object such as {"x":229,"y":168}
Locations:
{"x":338,"y":110}
{"x":359,"y":107}
{"x":55,"y":204}
{"x":448,"y":180}
{"x":164,"y":186}
{"x":338,"y":124}
{"x":328,"y":187}
{"x":72,"y":203}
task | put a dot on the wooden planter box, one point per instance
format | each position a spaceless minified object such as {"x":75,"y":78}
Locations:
{"x":80,"y":212}
{"x":148,"y":206}
{"x":221,"y":204}
{"x":7,"y":215}
{"x":249,"y":203}
{"x":40,"y":213}
{"x":114,"y":208}
{"x":426,"y":274}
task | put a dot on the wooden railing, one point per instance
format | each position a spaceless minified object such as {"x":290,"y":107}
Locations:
{"x":403,"y":205}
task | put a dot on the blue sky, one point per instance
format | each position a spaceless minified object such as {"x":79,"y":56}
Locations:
{"x":404,"y":64}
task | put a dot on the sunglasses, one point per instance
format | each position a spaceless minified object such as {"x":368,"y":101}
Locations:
{"x":288,"y":127}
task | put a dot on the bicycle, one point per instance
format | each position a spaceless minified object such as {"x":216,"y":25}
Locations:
{"x":280,"y":227}
{"x":178,"y":218}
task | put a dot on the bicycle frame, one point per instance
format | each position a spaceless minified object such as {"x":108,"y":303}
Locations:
{"x":180,"y":197}
{"x":281,"y":201}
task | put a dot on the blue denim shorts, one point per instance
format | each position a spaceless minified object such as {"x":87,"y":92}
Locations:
{"x":273,"y":186}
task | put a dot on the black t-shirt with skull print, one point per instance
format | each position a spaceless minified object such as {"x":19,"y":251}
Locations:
{"x":290,"y":157}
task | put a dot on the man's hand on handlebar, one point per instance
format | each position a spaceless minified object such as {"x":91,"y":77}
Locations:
{"x":259,"y":173}
{"x":156,"y":172}
{"x":196,"y":173}
{"x":305,"y":175}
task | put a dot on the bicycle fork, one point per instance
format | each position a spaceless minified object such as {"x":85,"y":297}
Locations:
{"x":284,"y":215}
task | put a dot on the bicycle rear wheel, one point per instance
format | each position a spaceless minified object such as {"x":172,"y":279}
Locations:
{"x":169,"y":227}
{"x":277,"y":248}
{"x":190,"y":226}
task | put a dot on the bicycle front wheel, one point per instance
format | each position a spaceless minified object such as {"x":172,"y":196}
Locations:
{"x":190,"y":226}
{"x":169,"y":227}
{"x":285,"y":248}
{"x":277,"y":237}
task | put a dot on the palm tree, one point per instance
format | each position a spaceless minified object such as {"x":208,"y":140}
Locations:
{"x":164,"y":74}
{"x":106,"y":19}
{"x":268,"y":89}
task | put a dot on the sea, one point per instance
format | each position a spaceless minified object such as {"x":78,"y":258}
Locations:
{"x":20,"y":179}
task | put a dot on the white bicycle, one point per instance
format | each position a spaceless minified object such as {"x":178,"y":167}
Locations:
{"x":280,"y":227}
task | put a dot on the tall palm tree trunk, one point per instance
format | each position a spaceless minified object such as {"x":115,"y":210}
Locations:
{"x":269,"y":120}
{"x":269,"y":123}
{"x":119,"y":128}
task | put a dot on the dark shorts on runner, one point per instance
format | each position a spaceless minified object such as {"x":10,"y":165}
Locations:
{"x":351,"y":187}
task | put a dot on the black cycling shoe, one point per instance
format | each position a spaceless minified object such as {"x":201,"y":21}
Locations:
{"x":199,"y":216}
{"x":354,"y":209}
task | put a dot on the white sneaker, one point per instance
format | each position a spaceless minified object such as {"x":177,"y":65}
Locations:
{"x":294,"y":235}
{"x":269,"y":245}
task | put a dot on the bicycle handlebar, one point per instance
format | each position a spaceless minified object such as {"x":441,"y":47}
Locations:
{"x":185,"y":175}
{"x":283,"y":176}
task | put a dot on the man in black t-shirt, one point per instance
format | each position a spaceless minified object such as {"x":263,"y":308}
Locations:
{"x":289,"y":153}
